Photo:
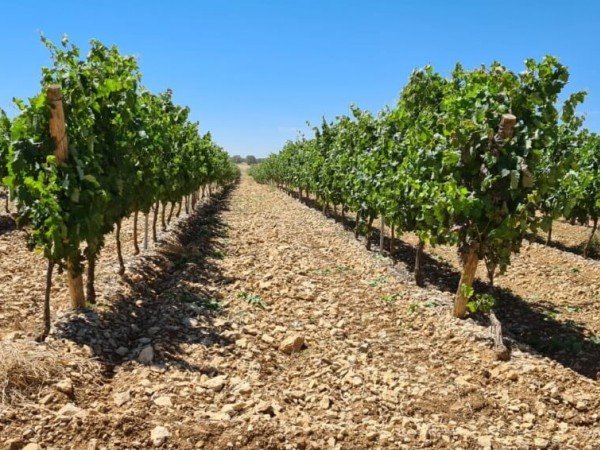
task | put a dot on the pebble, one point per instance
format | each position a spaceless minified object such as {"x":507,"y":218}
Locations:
{"x":292,"y":344}
{"x":65,"y":386}
{"x":121,"y":398}
{"x":146,"y":355}
{"x":69,"y":410}
{"x":159,"y":436}
{"x":163,"y":401}
{"x":216,"y":383}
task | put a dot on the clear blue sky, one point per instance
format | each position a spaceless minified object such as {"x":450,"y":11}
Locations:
{"x":254,"y":71}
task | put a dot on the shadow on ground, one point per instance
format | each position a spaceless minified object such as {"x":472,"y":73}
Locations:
{"x":594,"y":252}
{"x":170,"y":299}
{"x":7,"y":224}
{"x":534,"y":326}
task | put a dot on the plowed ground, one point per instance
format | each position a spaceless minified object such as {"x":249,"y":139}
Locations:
{"x":383,"y":364}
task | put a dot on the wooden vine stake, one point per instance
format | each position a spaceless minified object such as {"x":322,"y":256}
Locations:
{"x":471,"y":259}
{"x":61,"y":152}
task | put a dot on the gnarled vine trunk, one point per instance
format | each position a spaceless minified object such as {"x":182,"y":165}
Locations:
{"x":586,"y":249}
{"x":119,"y":251}
{"x":136,"y":248}
{"x":369,"y":232}
{"x":419,"y":279}
{"x":155,"y":221}
{"x":470,"y":261}
{"x":91,"y":277}
{"x":42,"y":337}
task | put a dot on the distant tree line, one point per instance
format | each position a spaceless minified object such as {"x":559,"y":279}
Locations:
{"x":250,"y":160}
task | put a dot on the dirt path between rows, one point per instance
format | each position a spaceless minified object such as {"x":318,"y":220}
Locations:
{"x":223,"y":301}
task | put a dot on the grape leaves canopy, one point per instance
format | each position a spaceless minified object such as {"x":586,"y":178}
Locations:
{"x":469,"y":159}
{"x":128,"y":149}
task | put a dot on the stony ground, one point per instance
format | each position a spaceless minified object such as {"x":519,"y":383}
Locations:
{"x":265,"y":325}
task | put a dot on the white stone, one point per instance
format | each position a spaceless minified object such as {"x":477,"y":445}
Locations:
{"x":69,"y":410}
{"x":121,"y":398}
{"x":159,"y":436}
{"x":163,"y":401}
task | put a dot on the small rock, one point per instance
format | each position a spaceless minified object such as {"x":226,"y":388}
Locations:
{"x":163,"y":401}
{"x":250,"y":330}
{"x":121,"y":398}
{"x":93,"y":444}
{"x":244,"y":388}
{"x":540,"y":443}
{"x":292,"y":344}
{"x":424,"y":432}
{"x":581,"y":406}
{"x":159,"y":436}
{"x":372,"y":436}
{"x":325,"y":403}
{"x":65,"y":386}
{"x":512,"y":375}
{"x":14,"y":444}
{"x":268,"y":339}
{"x":219,"y":416}
{"x":32,"y":446}
{"x":190,"y":322}
{"x":13,"y":336}
{"x":357,"y":381}
{"x":122,"y":351}
{"x":216,"y":383}
{"x":485,"y":441}
{"x":69,"y":410}
{"x":146,"y":355}
{"x":264,"y":408}
{"x":47,"y":399}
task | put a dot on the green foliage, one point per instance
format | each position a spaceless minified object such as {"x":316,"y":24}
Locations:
{"x":378,"y":281}
{"x":481,"y":303}
{"x":438,"y":164}
{"x":334,"y":270}
{"x":581,"y":185}
{"x":128,"y":149}
{"x":5,"y":126}
{"x":414,"y":307}
{"x":252,"y":299}
{"x":390,"y":299}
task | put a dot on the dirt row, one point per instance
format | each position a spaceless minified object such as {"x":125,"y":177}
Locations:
{"x":259,"y":323}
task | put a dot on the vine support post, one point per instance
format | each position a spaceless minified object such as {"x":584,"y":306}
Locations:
{"x":61,"y":152}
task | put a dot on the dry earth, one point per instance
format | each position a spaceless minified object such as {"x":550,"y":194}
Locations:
{"x":270,"y":327}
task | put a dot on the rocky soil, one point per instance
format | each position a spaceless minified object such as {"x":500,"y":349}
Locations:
{"x":259,"y":323}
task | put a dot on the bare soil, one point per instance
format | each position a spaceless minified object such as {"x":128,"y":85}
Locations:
{"x":379,"y":362}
